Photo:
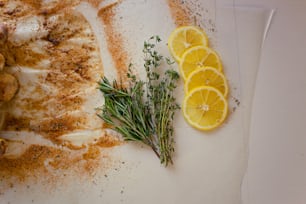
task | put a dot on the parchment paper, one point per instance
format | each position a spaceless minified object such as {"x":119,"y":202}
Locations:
{"x":208,"y":166}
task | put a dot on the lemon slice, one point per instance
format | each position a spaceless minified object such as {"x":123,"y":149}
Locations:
{"x":205,"y":108}
{"x":185,"y":37}
{"x":207,"y":76}
{"x":197,"y":57}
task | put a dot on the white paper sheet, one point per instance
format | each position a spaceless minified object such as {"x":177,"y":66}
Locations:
{"x":251,"y":26}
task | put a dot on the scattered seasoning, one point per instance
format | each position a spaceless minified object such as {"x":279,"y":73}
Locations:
{"x":114,"y":40}
{"x":236,"y":102}
{"x":179,"y":12}
{"x":73,"y":67}
{"x":32,"y":164}
{"x":94,"y":3}
{"x":108,"y":141}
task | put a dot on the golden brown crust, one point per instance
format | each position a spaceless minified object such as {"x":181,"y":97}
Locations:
{"x":58,"y":71}
{"x":3,"y":33}
{"x":3,"y":147}
{"x":2,"y":62}
{"x":8,"y":87}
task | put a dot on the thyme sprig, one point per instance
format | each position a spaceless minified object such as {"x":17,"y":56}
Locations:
{"x":144,"y":111}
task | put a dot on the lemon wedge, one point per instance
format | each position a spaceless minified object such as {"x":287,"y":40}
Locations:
{"x":205,"y":108}
{"x":207,"y":76}
{"x":185,"y":37}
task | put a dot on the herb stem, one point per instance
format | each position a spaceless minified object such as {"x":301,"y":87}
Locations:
{"x":144,"y":112}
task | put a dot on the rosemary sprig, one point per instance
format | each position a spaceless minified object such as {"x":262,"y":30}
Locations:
{"x":145,"y":110}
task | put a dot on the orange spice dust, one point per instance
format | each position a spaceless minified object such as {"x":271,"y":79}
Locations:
{"x":94,"y":3}
{"x":73,"y":69}
{"x":114,"y":41}
{"x":41,"y":162}
{"x":179,"y":12}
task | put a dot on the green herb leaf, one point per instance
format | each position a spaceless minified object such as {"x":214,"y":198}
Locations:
{"x":145,"y":110}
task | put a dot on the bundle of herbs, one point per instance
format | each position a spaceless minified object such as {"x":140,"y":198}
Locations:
{"x":144,"y":110}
